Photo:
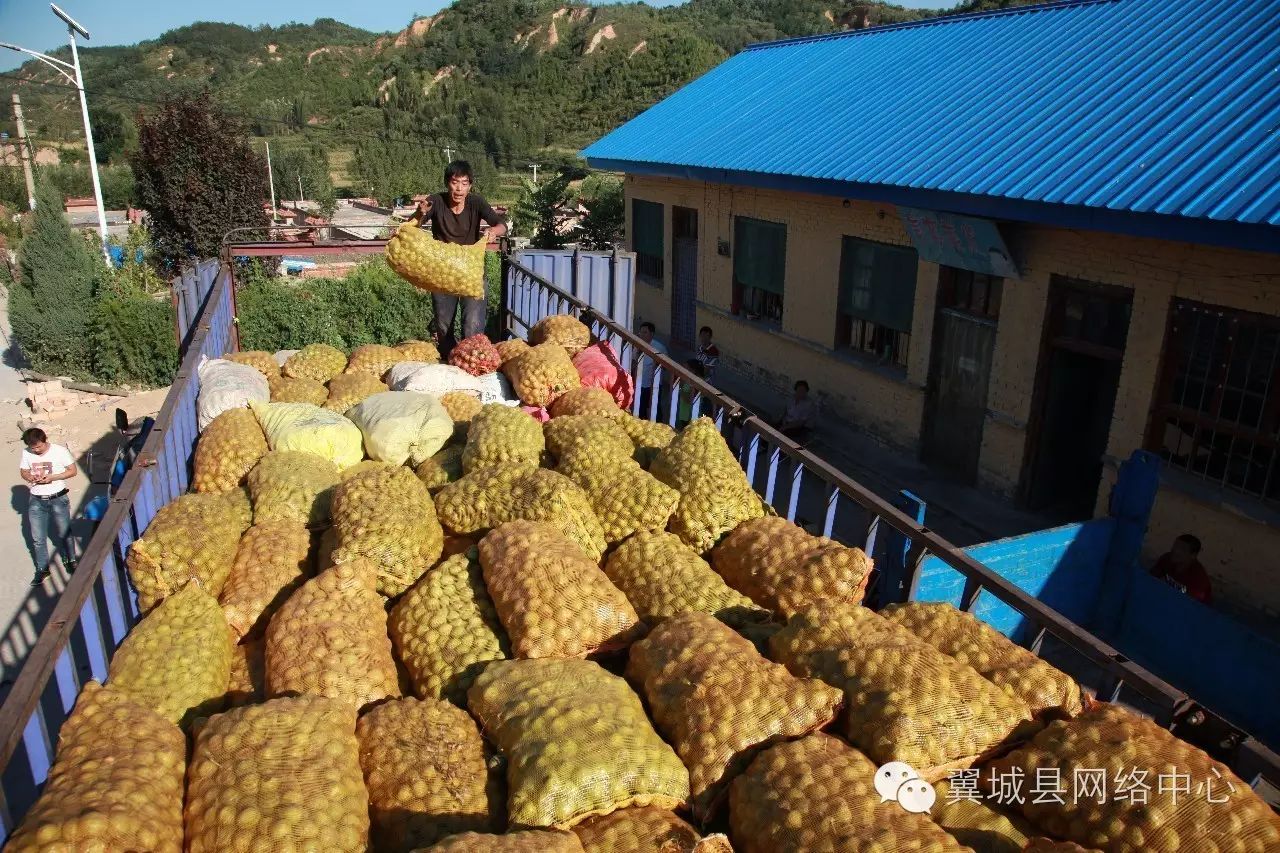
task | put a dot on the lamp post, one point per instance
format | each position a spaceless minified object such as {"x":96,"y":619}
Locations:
{"x":71,"y":71}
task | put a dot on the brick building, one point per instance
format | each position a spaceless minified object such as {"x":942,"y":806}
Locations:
{"x":1022,"y":244}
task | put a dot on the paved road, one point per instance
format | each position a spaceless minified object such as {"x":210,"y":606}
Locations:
{"x":88,"y":431}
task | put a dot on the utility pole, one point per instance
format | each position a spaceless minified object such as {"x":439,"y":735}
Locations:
{"x":300,"y":198}
{"x":24,"y":152}
{"x":535,"y":167}
{"x":271,"y":180}
{"x":448,"y":153}
{"x":72,"y":29}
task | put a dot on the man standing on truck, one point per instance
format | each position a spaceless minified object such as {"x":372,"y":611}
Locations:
{"x":455,"y":216}
{"x":46,"y":468}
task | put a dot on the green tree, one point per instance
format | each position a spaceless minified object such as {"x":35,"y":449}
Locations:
{"x":197,"y":177}
{"x":603,"y":225}
{"x":111,"y":133}
{"x":51,"y":304}
{"x":540,"y":212}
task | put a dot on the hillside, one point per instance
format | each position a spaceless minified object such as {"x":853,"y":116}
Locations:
{"x":509,"y":81}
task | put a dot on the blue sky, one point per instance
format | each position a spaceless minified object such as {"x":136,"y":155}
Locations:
{"x":30,"y":24}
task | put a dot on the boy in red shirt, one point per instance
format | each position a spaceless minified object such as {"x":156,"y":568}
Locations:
{"x":1181,"y":569}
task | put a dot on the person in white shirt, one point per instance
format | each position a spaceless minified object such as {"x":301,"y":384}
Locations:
{"x":797,"y":421}
{"x":646,"y":370}
{"x":46,"y":468}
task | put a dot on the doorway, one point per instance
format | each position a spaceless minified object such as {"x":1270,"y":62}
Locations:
{"x":1086,"y":327}
{"x":684,"y":279}
{"x":964,"y":341}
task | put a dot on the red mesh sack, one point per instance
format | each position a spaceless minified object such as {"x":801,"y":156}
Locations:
{"x":599,"y":367}
{"x":476,"y":355}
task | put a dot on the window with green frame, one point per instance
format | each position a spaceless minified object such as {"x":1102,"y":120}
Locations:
{"x":877,"y":299}
{"x":647,"y":240}
{"x":759,"y":268}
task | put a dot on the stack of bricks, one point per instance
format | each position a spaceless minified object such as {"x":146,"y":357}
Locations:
{"x":50,"y":398}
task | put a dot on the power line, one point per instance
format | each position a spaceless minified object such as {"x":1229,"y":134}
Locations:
{"x":418,"y":143}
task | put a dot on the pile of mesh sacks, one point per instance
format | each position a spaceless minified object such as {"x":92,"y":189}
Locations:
{"x":418,"y":618}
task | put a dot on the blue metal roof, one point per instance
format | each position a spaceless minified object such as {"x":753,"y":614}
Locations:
{"x":1154,"y":117}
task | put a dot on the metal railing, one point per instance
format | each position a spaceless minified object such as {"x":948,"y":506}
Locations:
{"x":781,"y":470}
{"x":98,"y":607}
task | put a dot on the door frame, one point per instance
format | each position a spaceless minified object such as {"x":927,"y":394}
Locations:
{"x":684,"y":216}
{"x":1059,"y":285}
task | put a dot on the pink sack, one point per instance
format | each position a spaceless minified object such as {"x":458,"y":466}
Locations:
{"x":599,"y":367}
{"x":538,"y":413}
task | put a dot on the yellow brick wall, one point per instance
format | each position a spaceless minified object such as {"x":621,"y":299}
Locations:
{"x":887,"y":401}
{"x":1239,"y":549}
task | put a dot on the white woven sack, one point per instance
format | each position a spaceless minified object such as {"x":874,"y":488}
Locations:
{"x":225,"y":385}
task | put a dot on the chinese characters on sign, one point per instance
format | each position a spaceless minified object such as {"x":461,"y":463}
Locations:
{"x":964,"y":242}
{"x":1011,"y":786}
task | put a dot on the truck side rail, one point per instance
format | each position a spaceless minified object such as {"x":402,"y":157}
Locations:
{"x":98,"y":607}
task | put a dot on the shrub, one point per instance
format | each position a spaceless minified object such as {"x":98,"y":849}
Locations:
{"x":134,"y":340}
{"x":371,"y":305}
{"x":51,"y":304}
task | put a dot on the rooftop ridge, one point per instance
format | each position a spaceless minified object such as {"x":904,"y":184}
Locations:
{"x":940,"y":20}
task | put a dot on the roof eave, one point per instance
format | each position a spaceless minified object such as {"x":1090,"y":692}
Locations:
{"x":1254,"y":237}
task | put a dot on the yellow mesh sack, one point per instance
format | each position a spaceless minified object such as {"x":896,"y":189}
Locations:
{"x":645,"y":830}
{"x":461,"y":406}
{"x":330,"y":639}
{"x":543,"y":495}
{"x":782,"y":567}
{"x":1048,"y":845}
{"x":718,"y":701}
{"x":320,"y":362}
{"x":194,"y":537}
{"x":586,"y":401}
{"x":285,"y":389}
{"x":576,"y":740}
{"x":649,"y":437}
{"x":563,"y":329}
{"x":1137,"y":752}
{"x":280,"y":776}
{"x":116,"y":783}
{"x":443,"y":468}
{"x":247,"y":684}
{"x":817,"y":795}
{"x":971,"y":641}
{"x":529,"y":841}
{"x":975,"y":824}
{"x":542,"y":374}
{"x":943,"y":716}
{"x":229,"y":447}
{"x":427,"y":771}
{"x":625,"y":498}
{"x":715,"y":496}
{"x":263,"y":362}
{"x":502,"y":435}
{"x":298,"y":426}
{"x":509,"y":349}
{"x":387,"y":518}
{"x":366,"y":466}
{"x":177,"y":660}
{"x":374,"y":359}
{"x":595,"y":433}
{"x":481,"y":499}
{"x":272,"y":561}
{"x":445,"y":630}
{"x":422,"y":351}
{"x":429,"y":264}
{"x":291,"y":485}
{"x":348,"y":389}
{"x":553,"y":600}
{"x":662,"y":577}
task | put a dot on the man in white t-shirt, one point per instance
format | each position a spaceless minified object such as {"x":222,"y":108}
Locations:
{"x":46,"y":468}
{"x":646,"y":371}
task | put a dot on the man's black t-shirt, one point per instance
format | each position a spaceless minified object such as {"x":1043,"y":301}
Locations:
{"x":463,"y":228}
